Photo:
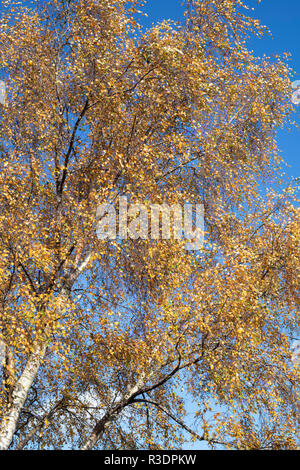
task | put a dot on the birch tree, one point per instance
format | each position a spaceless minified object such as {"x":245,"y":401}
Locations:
{"x":106,"y":343}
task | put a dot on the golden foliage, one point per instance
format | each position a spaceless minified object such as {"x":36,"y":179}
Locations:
{"x":96,"y":108}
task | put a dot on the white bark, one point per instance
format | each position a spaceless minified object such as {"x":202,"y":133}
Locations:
{"x":23,"y":385}
{"x":2,"y":351}
{"x":110,"y":415}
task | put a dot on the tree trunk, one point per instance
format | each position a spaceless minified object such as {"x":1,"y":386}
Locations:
{"x":21,"y":390}
{"x":100,"y":427}
{"x":97,"y":433}
{"x":23,"y":385}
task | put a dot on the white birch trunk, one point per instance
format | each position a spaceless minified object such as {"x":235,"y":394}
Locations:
{"x":109,"y":417}
{"x":23,"y":385}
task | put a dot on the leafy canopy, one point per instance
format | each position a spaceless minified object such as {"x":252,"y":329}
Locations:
{"x":107,"y":342}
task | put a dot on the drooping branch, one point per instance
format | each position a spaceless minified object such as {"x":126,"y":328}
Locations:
{"x":179,"y":422}
{"x":71,"y":145}
{"x":35,"y":429}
